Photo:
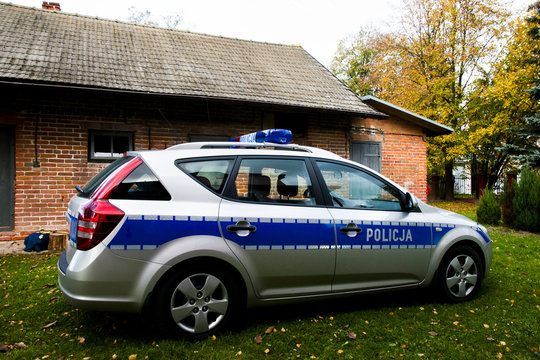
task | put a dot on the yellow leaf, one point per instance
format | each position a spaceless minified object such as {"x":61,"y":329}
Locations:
{"x":81,"y":339}
{"x":114,"y":356}
{"x":214,"y":337}
{"x":486,"y":326}
{"x":340,"y":351}
{"x":132,"y":357}
{"x":266,"y":351}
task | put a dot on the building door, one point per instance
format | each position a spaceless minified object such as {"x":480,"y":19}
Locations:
{"x":367,"y":153}
{"x":7,"y":177}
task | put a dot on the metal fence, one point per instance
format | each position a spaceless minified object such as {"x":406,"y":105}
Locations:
{"x":464,"y":187}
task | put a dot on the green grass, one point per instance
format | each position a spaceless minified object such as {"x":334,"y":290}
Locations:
{"x":502,"y":322}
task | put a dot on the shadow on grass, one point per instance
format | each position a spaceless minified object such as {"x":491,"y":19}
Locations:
{"x":132,"y":326}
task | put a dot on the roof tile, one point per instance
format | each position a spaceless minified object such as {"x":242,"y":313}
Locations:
{"x":49,"y":46}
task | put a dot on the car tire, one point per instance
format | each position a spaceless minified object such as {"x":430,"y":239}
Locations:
{"x":460,"y":274}
{"x":196,"y":302}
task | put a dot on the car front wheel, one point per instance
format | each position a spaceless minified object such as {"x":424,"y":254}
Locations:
{"x":460,"y":274}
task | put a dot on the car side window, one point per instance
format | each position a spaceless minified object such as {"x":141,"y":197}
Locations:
{"x":275,"y":181}
{"x":141,"y":184}
{"x":353,"y":188}
{"x":211,"y":173}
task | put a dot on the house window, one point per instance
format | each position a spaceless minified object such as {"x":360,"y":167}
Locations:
{"x":106,"y":146}
{"x":367,"y":153}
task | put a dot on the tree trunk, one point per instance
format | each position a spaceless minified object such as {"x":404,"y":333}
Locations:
{"x":449,"y":181}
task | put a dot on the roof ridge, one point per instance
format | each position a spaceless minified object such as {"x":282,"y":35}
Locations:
{"x":125,"y":22}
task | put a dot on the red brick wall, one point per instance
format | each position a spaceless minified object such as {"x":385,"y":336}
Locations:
{"x":403,"y":145}
{"x":65,"y":118}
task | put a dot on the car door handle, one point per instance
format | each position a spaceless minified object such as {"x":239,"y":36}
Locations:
{"x":351,"y":229}
{"x":242,"y":228}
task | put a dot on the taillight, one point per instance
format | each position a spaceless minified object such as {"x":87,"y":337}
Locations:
{"x":97,"y":219}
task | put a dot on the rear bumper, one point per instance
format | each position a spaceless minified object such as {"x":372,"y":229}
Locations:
{"x":107,"y":283}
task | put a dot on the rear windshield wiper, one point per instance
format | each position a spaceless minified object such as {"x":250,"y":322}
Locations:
{"x":78,"y":188}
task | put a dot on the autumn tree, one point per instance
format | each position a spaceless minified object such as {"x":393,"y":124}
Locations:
{"x":145,"y":17}
{"x":526,"y":145}
{"x":429,"y":66}
{"x":354,"y":62}
{"x":501,"y":108}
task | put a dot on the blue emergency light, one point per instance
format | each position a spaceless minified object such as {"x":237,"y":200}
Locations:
{"x":276,"y":136}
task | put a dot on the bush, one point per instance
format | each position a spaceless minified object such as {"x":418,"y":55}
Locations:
{"x":489,"y":210}
{"x":527,"y":201}
{"x":507,"y":204}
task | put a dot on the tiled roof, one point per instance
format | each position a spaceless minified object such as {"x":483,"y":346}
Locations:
{"x":46,"y":46}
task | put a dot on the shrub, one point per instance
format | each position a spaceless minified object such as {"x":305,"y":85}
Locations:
{"x":527,"y":201}
{"x":489,"y":210}
{"x":506,"y":203}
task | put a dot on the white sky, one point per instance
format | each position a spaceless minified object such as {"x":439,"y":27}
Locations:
{"x":316,"y":25}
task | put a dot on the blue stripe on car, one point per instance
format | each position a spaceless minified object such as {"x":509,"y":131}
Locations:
{"x":147,"y":232}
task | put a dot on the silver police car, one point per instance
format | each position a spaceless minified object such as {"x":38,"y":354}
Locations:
{"x":195,"y":233}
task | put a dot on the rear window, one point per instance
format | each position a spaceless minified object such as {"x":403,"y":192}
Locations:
{"x":141,"y":184}
{"x":93,"y":184}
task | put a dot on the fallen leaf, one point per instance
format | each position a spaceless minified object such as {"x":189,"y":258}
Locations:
{"x":486,"y":326}
{"x":420,"y":355}
{"x":114,"y":356}
{"x":48,"y":286}
{"x":6,"y":296}
{"x":132,"y":357}
{"x":81,"y":339}
{"x":258,"y":339}
{"x":214,"y":337}
{"x":432,"y":333}
{"x":20,"y":345}
{"x":351,"y":335}
{"x":269,"y":330}
{"x":4,"y":349}
{"x":266,"y":351}
{"x":490,"y":338}
{"x":340,"y":351}
{"x":33,"y":266}
{"x":524,"y":274}
{"x":50,"y":325}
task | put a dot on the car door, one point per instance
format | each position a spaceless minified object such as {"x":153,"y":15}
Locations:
{"x":378,"y":243}
{"x":274,"y":220}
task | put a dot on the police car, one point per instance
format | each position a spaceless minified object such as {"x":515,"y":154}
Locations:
{"x":195,"y":233}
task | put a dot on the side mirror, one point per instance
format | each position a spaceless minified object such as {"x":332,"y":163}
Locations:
{"x":411,"y":203}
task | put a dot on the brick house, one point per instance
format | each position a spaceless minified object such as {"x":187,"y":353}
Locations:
{"x":79,"y":91}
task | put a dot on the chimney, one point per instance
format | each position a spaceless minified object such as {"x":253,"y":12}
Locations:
{"x":50,"y":6}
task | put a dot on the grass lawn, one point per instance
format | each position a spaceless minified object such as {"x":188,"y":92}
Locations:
{"x":503,"y":322}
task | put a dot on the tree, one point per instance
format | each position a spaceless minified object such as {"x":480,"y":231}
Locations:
{"x":526,"y":148}
{"x":353,"y":62}
{"x":145,"y":17}
{"x":430,"y":64}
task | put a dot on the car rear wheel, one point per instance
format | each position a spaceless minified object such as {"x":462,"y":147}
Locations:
{"x":460,"y":274}
{"x":196,"y":303}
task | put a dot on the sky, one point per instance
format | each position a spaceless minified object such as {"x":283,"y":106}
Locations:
{"x":316,"y":25}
